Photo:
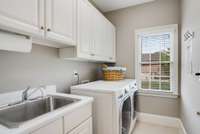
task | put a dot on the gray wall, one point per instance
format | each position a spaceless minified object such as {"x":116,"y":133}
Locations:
{"x":190,"y":88}
{"x":160,"y":12}
{"x":40,"y":67}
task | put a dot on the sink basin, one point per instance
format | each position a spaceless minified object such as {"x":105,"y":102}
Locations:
{"x":14,"y":116}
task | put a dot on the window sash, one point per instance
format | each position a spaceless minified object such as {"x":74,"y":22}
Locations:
{"x":172,"y":29}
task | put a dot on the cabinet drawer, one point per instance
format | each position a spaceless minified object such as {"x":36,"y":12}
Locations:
{"x":76,"y":117}
{"x":55,"y":127}
{"x":84,"y":128}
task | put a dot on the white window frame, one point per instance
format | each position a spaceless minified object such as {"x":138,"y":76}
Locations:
{"x":173,"y":30}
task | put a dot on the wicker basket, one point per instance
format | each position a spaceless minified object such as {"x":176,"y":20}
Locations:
{"x":114,"y":73}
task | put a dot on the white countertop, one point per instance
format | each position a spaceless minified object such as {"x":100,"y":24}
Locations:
{"x":36,"y":123}
{"x":104,"y":86}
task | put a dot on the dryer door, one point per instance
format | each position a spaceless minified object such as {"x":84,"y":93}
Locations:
{"x":126,"y":111}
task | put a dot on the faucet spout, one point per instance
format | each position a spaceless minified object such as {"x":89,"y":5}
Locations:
{"x":25,"y":94}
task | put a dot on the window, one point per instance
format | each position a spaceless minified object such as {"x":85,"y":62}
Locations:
{"x":157,"y":59}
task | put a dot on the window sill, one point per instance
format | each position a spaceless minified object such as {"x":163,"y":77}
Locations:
{"x":157,"y":94}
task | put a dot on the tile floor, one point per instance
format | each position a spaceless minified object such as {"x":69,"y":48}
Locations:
{"x":147,"y":128}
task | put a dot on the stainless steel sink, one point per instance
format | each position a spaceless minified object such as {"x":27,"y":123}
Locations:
{"x":14,"y":116}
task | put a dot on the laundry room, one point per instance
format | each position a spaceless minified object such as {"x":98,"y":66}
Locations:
{"x":99,"y":67}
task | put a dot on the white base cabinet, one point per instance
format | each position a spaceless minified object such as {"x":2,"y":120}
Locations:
{"x":55,"y":127}
{"x":78,"y":121}
{"x":84,"y":128}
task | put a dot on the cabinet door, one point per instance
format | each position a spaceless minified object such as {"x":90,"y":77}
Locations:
{"x":53,"y":128}
{"x":84,"y":128}
{"x":61,"y":21}
{"x":104,"y":33}
{"x":99,"y":32}
{"x":84,"y":36}
{"x":22,"y":16}
{"x":110,"y":42}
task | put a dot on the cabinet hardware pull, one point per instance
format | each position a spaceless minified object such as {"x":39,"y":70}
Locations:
{"x":197,"y":74}
{"x":110,"y":58}
{"x":92,"y":54}
{"x":42,"y":27}
{"x":198,"y":113}
{"x":48,"y":29}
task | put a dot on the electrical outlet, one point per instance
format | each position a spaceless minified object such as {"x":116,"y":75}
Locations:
{"x":75,"y":73}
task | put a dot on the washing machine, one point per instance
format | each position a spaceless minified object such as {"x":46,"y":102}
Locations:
{"x":113,"y":107}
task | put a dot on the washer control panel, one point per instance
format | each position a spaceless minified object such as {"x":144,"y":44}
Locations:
{"x":129,"y":88}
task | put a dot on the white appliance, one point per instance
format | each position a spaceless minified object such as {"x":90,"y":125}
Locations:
{"x":113,"y":107}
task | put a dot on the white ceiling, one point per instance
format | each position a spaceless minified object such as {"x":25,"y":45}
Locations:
{"x":110,"y":5}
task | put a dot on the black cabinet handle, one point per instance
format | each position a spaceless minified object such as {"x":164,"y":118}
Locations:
{"x":197,"y":74}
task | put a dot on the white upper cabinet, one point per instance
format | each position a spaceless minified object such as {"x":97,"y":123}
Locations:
{"x":110,"y":42}
{"x":84,"y":28}
{"x":99,"y":33}
{"x":23,"y":16}
{"x":96,"y":35}
{"x":51,"y":21}
{"x":61,"y":21}
{"x":104,"y":37}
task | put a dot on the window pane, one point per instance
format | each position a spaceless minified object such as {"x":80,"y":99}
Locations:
{"x":145,"y":84}
{"x":155,"y":69}
{"x":165,"y":69}
{"x":145,"y":69}
{"x":165,"y":56}
{"x":165,"y":48}
{"x":155,"y":57}
{"x":155,"y":61}
{"x":145,"y":57}
{"x":155,"y":84}
{"x":145,"y":50}
{"x":145,"y":81}
{"x":165,"y":85}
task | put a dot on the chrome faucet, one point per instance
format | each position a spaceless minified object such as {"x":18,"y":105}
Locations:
{"x":25,"y":93}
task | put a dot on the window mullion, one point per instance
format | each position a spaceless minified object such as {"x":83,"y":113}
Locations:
{"x":150,"y":80}
{"x":160,"y":72}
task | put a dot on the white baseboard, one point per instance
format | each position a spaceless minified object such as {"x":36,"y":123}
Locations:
{"x":182,"y":128}
{"x":161,"y":120}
